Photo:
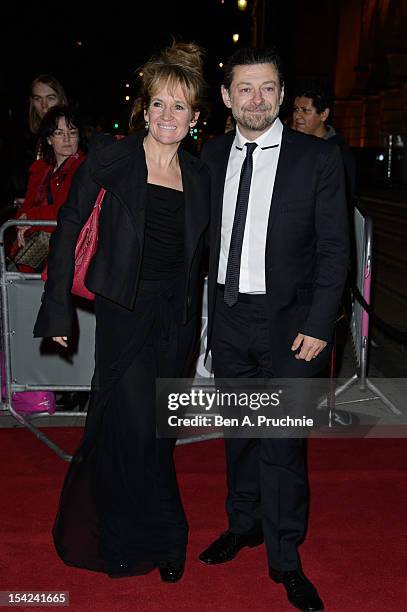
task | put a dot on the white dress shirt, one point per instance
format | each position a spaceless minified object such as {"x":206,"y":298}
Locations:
{"x":265,"y":159}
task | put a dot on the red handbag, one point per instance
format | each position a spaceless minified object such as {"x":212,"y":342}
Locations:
{"x":85,"y":250}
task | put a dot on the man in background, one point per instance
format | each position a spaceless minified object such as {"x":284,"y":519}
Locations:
{"x":311,"y":110}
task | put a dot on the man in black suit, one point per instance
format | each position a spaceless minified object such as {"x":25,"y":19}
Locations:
{"x":278,"y":265}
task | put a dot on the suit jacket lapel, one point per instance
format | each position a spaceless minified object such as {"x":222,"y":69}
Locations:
{"x":219,"y":188}
{"x":196,"y":210}
{"x":285,"y":160}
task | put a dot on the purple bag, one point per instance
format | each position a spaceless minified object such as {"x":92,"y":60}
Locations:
{"x":28,"y":402}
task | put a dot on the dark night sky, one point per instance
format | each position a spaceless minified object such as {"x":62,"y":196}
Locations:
{"x":118,"y":39}
{"x":115,"y":42}
{"x":40,"y":37}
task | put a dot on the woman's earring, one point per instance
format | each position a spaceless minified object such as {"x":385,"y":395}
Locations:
{"x":146,"y":125}
{"x":191,"y":131}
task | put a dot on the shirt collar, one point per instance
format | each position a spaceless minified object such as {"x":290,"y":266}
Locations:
{"x":271,"y":138}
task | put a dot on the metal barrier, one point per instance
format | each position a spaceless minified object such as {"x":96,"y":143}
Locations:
{"x":360,"y":320}
{"x":26,"y":366}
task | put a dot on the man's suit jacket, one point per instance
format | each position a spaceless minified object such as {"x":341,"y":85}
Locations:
{"x":119,"y":167}
{"x":307,"y":246}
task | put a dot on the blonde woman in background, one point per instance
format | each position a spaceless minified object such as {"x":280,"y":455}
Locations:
{"x":45,"y":91}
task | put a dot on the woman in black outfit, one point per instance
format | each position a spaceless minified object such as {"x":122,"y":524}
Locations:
{"x":120,"y":509}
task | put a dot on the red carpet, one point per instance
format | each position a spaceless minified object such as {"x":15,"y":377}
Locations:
{"x":356,"y":549}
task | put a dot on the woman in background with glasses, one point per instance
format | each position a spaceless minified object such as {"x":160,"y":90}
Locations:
{"x":51,"y":176}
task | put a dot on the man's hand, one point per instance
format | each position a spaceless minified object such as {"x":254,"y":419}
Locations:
{"x":62,"y":340}
{"x":311,"y":347}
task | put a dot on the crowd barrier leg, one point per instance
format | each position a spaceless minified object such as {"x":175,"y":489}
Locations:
{"x":360,"y":330}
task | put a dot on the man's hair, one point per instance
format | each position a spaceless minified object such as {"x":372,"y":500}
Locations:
{"x":247,"y":57}
{"x":320,"y":95}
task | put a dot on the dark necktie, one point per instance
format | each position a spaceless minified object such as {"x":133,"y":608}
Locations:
{"x":235,"y":250}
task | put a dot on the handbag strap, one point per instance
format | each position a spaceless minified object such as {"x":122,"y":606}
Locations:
{"x":100,"y":197}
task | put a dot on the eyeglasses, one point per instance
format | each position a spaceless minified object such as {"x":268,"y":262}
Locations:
{"x":303,"y":109}
{"x":63,"y":134}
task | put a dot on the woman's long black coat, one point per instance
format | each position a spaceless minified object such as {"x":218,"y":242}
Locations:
{"x":120,"y":167}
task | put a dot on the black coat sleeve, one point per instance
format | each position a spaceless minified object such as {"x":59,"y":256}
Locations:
{"x":55,"y":317}
{"x":332,"y":247}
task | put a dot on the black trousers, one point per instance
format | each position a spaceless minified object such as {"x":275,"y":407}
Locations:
{"x":267,"y":478}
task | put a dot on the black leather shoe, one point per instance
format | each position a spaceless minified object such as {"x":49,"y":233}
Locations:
{"x":171,"y":572}
{"x":226,"y":547}
{"x":301,"y":593}
{"x":119,"y":569}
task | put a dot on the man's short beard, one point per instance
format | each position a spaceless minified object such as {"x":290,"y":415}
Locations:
{"x":258,"y":123}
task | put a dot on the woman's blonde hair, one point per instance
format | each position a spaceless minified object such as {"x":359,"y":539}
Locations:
{"x":179,"y":64}
{"x":34,"y":119}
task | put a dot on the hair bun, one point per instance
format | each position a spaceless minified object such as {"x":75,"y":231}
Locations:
{"x":186,"y":55}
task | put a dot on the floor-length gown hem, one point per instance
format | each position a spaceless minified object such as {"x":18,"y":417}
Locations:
{"x":120,"y":500}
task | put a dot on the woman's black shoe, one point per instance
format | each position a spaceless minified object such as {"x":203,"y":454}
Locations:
{"x":171,"y":572}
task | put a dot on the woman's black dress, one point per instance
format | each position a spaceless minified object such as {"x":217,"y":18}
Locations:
{"x":120,"y":500}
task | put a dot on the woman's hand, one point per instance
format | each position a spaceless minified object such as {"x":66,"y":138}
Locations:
{"x":62,"y":340}
{"x":21,"y":230}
